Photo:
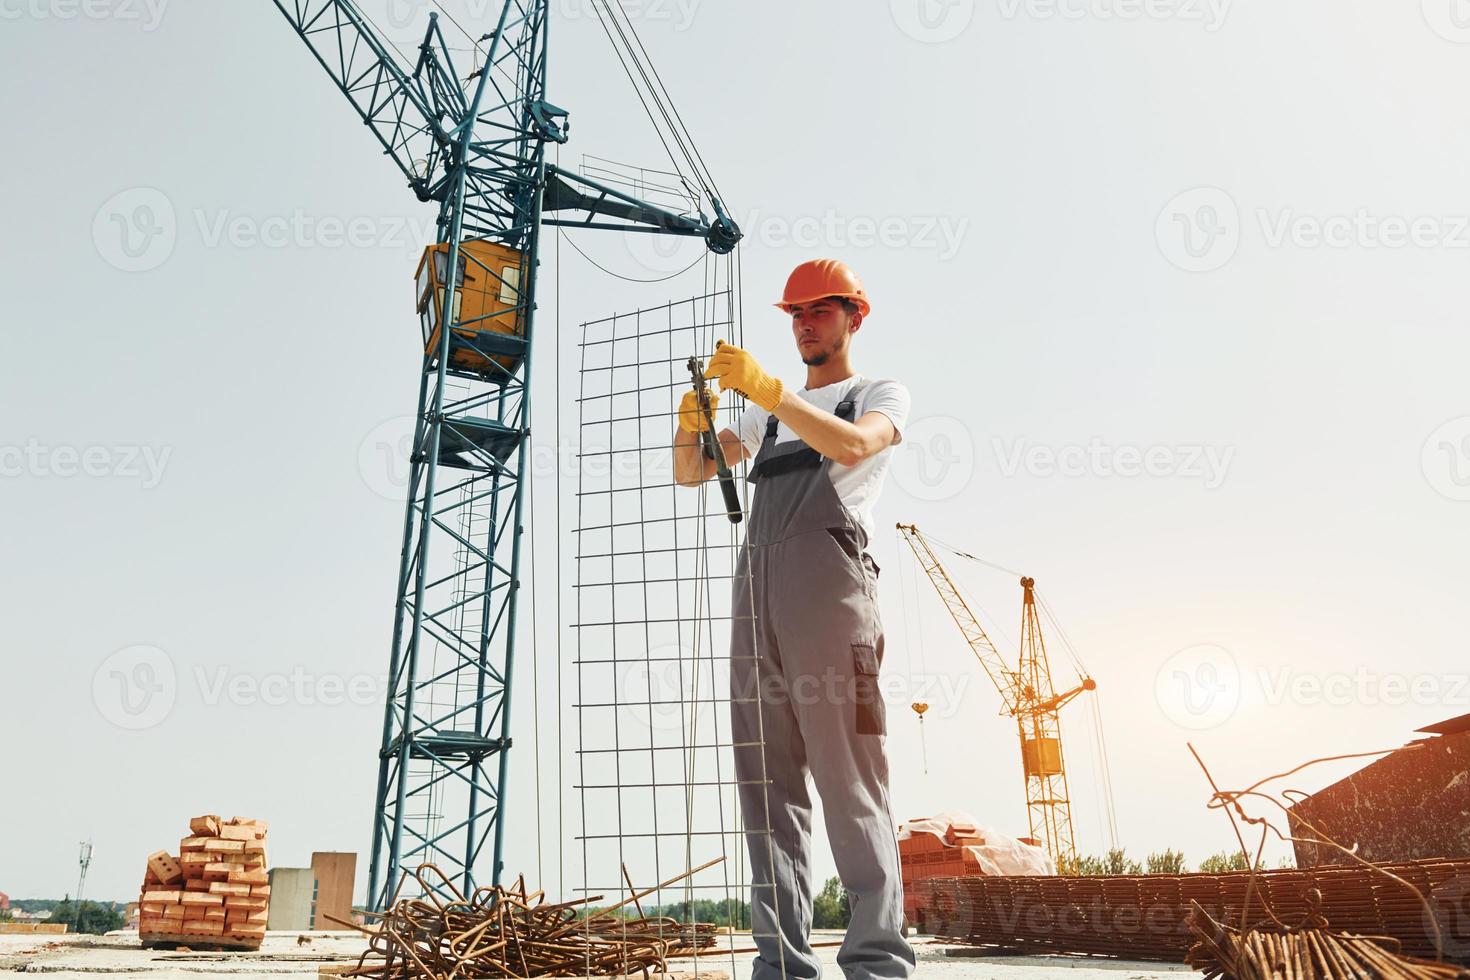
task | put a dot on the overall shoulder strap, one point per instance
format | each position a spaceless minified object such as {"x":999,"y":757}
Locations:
{"x":775,"y":460}
{"x":847,"y":408}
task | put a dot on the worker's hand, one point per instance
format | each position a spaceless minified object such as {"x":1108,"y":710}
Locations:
{"x":738,"y":371}
{"x":691,"y":416}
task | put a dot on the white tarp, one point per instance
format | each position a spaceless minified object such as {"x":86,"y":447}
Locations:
{"x":999,"y":855}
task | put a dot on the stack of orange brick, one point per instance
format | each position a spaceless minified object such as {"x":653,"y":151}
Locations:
{"x":216,"y":892}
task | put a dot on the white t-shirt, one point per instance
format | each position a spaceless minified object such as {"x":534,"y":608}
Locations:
{"x":857,"y":486}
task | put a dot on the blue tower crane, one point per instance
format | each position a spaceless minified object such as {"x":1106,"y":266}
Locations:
{"x":472,"y":145}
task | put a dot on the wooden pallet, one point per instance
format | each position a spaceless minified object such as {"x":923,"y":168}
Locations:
{"x":199,"y":941}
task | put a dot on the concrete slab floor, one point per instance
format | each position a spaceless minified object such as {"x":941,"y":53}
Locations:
{"x":282,"y":954}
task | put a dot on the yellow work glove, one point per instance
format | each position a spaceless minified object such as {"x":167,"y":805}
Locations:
{"x":738,"y":371}
{"x":691,"y":417}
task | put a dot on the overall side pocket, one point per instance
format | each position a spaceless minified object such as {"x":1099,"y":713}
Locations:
{"x":871,"y":712}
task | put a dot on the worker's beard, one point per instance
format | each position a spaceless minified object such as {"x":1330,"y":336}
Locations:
{"x":822,"y":356}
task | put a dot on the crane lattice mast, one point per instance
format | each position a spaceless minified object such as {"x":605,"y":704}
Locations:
{"x":471,"y":144}
{"x":1029,"y":698}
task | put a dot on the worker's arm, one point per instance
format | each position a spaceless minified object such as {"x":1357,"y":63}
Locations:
{"x":691,"y":466}
{"x":847,"y":443}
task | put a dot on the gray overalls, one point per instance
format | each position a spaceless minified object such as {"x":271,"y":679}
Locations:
{"x":805,"y":647}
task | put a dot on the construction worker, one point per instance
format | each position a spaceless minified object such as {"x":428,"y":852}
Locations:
{"x":806,"y":641}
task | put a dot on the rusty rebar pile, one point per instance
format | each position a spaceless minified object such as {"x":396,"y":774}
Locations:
{"x":500,"y":932}
{"x":1144,"y":916}
{"x":1311,"y":953}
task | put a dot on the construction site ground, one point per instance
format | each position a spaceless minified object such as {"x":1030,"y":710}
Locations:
{"x":284,"y":953}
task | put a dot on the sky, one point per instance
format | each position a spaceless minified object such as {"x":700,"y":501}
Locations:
{"x":1177,"y":287}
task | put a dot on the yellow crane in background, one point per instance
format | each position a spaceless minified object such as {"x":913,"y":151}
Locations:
{"x":1029,"y":698}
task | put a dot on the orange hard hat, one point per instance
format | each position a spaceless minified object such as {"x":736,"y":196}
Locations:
{"x":821,"y":278}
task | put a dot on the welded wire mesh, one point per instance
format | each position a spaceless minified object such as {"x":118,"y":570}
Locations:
{"x":655,"y":564}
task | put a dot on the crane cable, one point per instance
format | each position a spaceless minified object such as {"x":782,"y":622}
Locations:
{"x":654,"y":90}
{"x":907,"y":574}
{"x":1104,"y":785}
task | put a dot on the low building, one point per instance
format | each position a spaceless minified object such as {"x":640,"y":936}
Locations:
{"x":314,"y":898}
{"x":1411,"y":804}
{"x":336,"y":877}
{"x":290,"y":906}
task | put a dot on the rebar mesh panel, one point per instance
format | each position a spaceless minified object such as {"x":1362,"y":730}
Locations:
{"x":654,"y":567}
